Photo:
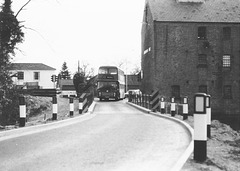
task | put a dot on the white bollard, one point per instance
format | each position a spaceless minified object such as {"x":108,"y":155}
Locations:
{"x":162,"y":104}
{"x":200,"y":127}
{"x":185,"y":108}
{"x":54,"y":107}
{"x":22,"y":108}
{"x":80,"y":108}
{"x":71,"y":107}
{"x":173,"y":106}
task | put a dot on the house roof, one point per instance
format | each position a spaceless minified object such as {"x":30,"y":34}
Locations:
{"x":227,"y":11}
{"x":30,"y":66}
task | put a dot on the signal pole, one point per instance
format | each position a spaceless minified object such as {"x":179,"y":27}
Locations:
{"x":126,"y":78}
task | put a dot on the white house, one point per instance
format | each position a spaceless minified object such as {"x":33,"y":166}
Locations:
{"x":32,"y":75}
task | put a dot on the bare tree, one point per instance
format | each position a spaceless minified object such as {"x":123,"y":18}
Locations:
{"x":85,"y":70}
{"x":135,"y":70}
{"x":22,"y":7}
{"x":84,"y":78}
{"x":121,"y":64}
{"x":128,"y":67}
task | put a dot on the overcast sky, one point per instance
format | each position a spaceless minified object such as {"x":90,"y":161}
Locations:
{"x":95,"y":32}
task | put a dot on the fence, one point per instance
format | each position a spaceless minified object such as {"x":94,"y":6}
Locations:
{"x":156,"y":103}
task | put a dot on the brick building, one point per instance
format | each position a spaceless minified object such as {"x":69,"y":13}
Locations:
{"x":191,"y":46}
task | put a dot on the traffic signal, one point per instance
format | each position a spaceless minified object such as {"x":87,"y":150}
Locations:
{"x":53,"y":78}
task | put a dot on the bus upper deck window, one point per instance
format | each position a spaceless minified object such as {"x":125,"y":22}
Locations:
{"x":102,"y":71}
{"x":112,"y":71}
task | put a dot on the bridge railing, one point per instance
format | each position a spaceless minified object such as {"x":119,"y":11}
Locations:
{"x":85,"y":101}
{"x":156,"y":103}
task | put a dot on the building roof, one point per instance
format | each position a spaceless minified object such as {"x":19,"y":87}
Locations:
{"x":30,"y":66}
{"x":227,"y":11}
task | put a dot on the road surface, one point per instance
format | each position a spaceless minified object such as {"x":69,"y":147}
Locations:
{"x":115,"y":137}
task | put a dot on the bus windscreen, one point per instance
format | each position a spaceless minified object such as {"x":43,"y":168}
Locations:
{"x":107,"y":84}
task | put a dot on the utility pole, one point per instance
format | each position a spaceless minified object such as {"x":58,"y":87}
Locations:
{"x":126,"y":78}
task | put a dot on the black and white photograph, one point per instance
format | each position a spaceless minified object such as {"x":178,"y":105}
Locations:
{"x":119,"y":85}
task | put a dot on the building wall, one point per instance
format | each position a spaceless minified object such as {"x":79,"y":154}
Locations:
{"x":176,"y":62}
{"x":147,"y":51}
{"x":44,"y":79}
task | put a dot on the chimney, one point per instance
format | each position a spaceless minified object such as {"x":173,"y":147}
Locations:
{"x":191,"y":1}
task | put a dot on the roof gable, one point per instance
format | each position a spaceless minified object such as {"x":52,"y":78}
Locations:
{"x":209,"y":11}
{"x":30,"y":66}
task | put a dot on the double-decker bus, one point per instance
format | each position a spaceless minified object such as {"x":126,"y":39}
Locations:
{"x":110,"y":83}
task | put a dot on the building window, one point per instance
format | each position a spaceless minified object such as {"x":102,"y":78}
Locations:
{"x":176,"y":92}
{"x":227,"y":92}
{"x":20,"y":75}
{"x":202,"y":60}
{"x":202,"y":89}
{"x":36,"y":75}
{"x":202,"y":33}
{"x":226,"y":61}
{"x":226,"y":33}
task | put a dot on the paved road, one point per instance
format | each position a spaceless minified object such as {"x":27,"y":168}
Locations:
{"x":118,"y":137}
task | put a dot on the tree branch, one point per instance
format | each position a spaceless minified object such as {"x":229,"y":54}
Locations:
{"x":22,"y":7}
